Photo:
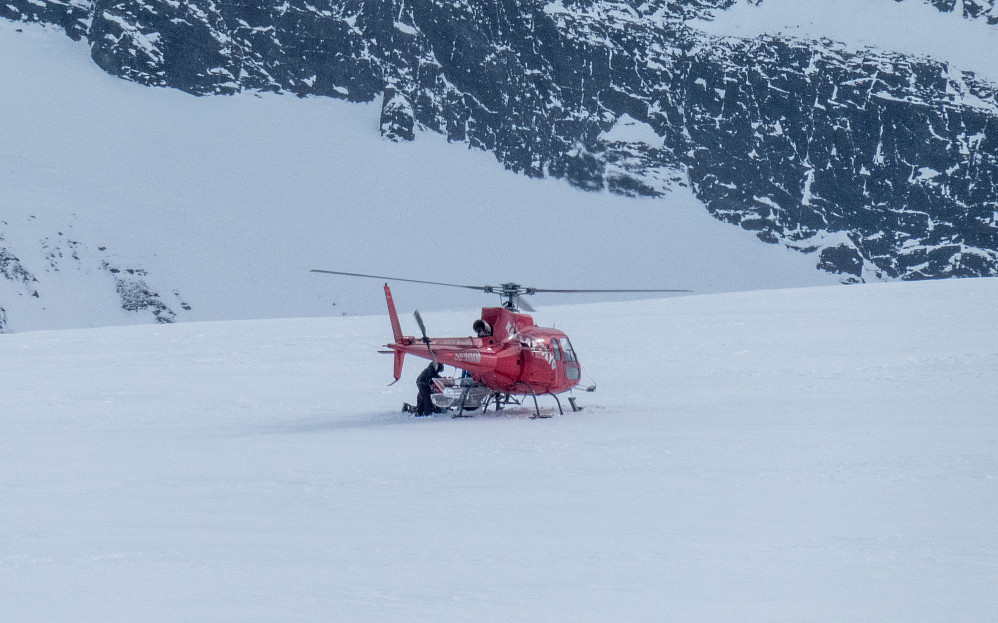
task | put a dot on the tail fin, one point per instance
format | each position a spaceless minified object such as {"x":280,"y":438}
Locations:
{"x":393,"y":315}
{"x":396,"y":334}
{"x":399,"y":358}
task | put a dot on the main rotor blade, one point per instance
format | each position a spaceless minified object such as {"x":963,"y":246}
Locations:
{"x":432,"y":283}
{"x":532,"y":290}
{"x":487,"y":289}
{"x":524,"y":305}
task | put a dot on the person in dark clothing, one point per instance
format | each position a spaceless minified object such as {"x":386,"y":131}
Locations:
{"x":424,"y":404}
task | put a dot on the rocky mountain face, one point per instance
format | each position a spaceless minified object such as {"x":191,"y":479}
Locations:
{"x":882,"y":166}
{"x":982,"y":9}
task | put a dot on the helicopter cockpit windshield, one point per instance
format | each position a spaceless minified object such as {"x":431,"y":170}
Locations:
{"x":566,"y":346}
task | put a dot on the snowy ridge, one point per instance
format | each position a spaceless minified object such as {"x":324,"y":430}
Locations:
{"x":64,"y":270}
{"x":808,"y":455}
{"x":915,"y":29}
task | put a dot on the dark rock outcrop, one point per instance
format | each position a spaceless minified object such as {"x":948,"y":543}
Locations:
{"x":882,"y":165}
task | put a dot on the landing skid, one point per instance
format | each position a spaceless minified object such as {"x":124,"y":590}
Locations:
{"x":467,"y":407}
{"x":501,"y":399}
{"x":537,"y":409}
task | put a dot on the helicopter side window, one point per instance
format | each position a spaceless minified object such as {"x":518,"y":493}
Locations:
{"x":557,"y":350}
{"x":567,"y":347}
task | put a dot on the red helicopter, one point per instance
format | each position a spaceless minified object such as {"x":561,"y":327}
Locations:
{"x":508,"y":356}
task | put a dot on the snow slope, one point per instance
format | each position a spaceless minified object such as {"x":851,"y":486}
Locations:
{"x":229,"y":201}
{"x":911,"y":28}
{"x":822,"y":454}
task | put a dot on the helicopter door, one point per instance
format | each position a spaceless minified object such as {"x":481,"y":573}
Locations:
{"x":540,"y":366}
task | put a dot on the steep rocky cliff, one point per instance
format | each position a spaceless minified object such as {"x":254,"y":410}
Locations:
{"x":883,"y":166}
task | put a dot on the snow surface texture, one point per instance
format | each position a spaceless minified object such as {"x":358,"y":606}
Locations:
{"x":226,"y":203}
{"x":823,"y":454}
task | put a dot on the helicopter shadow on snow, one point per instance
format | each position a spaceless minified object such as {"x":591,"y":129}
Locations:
{"x":320,"y":423}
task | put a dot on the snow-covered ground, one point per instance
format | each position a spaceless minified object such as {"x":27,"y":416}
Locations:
{"x":912,"y":27}
{"x":822,"y":454}
{"x":231,"y":200}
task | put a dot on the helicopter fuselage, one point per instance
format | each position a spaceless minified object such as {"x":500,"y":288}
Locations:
{"x":510,"y":354}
